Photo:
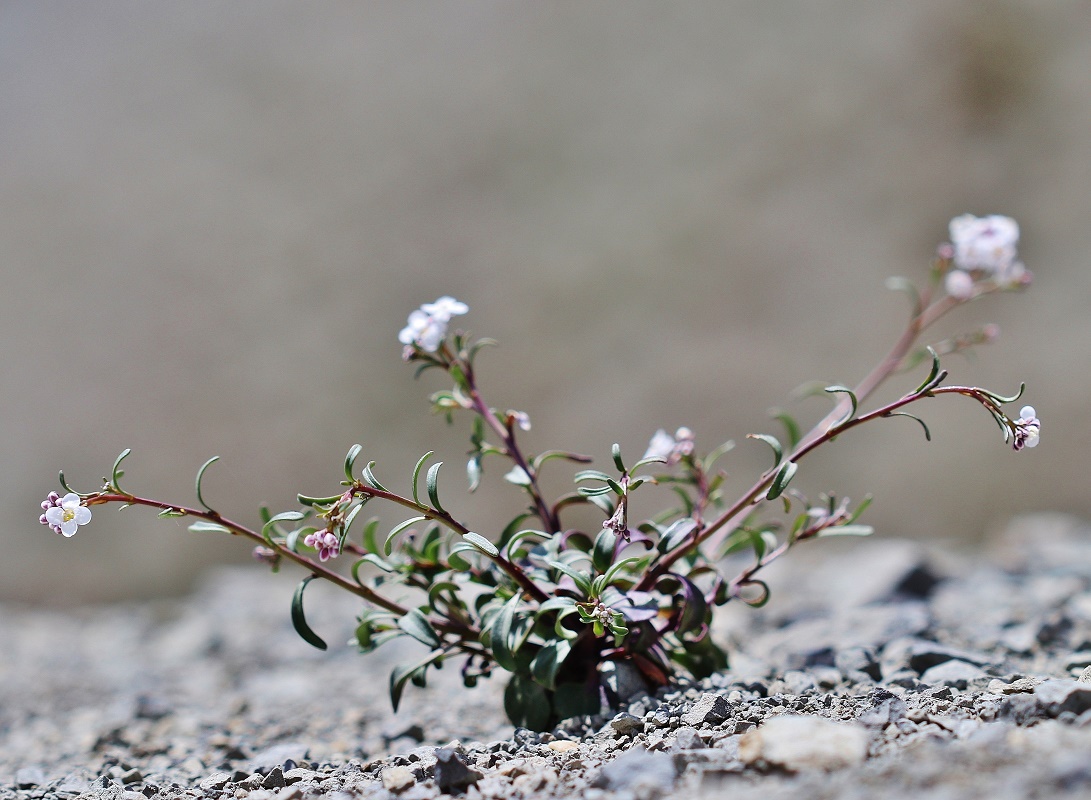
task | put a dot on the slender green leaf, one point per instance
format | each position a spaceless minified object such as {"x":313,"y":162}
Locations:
{"x":617,"y":568}
{"x":481,"y":543}
{"x":510,"y":549}
{"x":433,"y":486}
{"x":852,"y":399}
{"x":846,"y":530}
{"x":416,"y":475}
{"x":590,"y":475}
{"x":526,"y":703}
{"x":602,"y":555}
{"x":473,"y":472}
{"x":299,"y":621}
{"x":791,"y":427}
{"x":548,"y":662}
{"x":208,"y":527}
{"x":929,"y":382}
{"x":780,"y":481}
{"x":417,"y":625}
{"x":318,"y":501}
{"x":200,"y":476}
{"x":285,"y":516}
{"x":369,"y":478}
{"x":116,"y":473}
{"x":504,"y":637}
{"x":401,"y":675}
{"x":171,"y":512}
{"x":999,"y":398}
{"x":350,"y":460}
{"x":388,"y":545}
{"x":615,"y":451}
{"x":371,"y":544}
{"x":773,"y":442}
{"x":927,"y":433}
{"x":677,"y":533}
{"x":582,"y":580}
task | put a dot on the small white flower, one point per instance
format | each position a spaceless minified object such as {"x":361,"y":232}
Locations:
{"x":518,"y":476}
{"x":67,"y":515}
{"x":423,"y":330}
{"x":959,"y":284}
{"x":444,"y":308}
{"x":427,"y":325}
{"x":661,"y":445}
{"x":520,"y":418}
{"x":1027,"y":429}
{"x":985,"y":244}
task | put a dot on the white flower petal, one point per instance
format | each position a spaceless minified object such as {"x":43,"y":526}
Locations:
{"x":83,"y":515}
{"x":69,"y":527}
{"x":70,"y":499}
{"x":54,"y":515}
{"x":1027,"y":412}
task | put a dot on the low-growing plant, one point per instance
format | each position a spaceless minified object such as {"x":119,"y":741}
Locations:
{"x":582,"y":618}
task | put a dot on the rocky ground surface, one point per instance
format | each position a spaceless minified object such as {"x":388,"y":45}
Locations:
{"x":879,"y":669}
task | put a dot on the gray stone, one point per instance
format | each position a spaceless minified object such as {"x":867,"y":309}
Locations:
{"x":29,"y":777}
{"x":451,"y":774}
{"x":709,"y":709}
{"x":687,"y":739}
{"x":216,"y":781}
{"x":274,"y":780}
{"x":795,"y":742}
{"x":956,"y":673}
{"x":1058,"y":696}
{"x":857,"y":663}
{"x":646,"y":775}
{"x":398,"y":779}
{"x":625,"y":724}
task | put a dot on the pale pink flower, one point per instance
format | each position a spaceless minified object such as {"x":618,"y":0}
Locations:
{"x":1027,"y":429}
{"x":985,"y":244}
{"x":64,"y":514}
{"x":325,"y":543}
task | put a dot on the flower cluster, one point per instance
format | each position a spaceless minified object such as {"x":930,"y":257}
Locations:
{"x":982,"y":248}
{"x":427,"y":325}
{"x":1026,"y":429}
{"x":326,"y":543}
{"x":64,"y":514}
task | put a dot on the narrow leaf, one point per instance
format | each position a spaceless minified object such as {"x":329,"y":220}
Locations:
{"x":773,"y":442}
{"x":299,"y":621}
{"x":676,"y":534}
{"x":583,"y":581}
{"x":388,"y":545}
{"x":369,"y":478}
{"x":208,"y":527}
{"x":200,"y":475}
{"x":602,"y":555}
{"x":416,"y":475}
{"x":417,"y":625}
{"x":927,"y":433}
{"x":852,"y":399}
{"x":780,"y":482}
{"x":481,"y":543}
{"x":473,"y":472}
{"x":401,"y":675}
{"x":929,"y":381}
{"x":350,"y":460}
{"x":548,"y":662}
{"x":615,"y":451}
{"x":116,"y":473}
{"x":433,"y":486}
{"x":846,"y":530}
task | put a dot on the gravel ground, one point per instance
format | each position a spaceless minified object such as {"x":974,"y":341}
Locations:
{"x":888,"y":670}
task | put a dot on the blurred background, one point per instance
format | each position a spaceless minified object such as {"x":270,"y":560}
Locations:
{"x":214,"y":219}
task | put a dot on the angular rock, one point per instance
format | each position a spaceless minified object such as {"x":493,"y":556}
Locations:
{"x":276,"y":755}
{"x":1058,"y":696}
{"x":709,"y":709}
{"x":451,"y":774}
{"x":625,"y":724}
{"x":956,"y":673}
{"x":398,"y":779}
{"x":795,"y":742}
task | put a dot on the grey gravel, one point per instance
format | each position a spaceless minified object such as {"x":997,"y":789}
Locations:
{"x":917,"y":692}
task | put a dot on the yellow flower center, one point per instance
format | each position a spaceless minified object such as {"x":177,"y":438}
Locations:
{"x":69,"y":514}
